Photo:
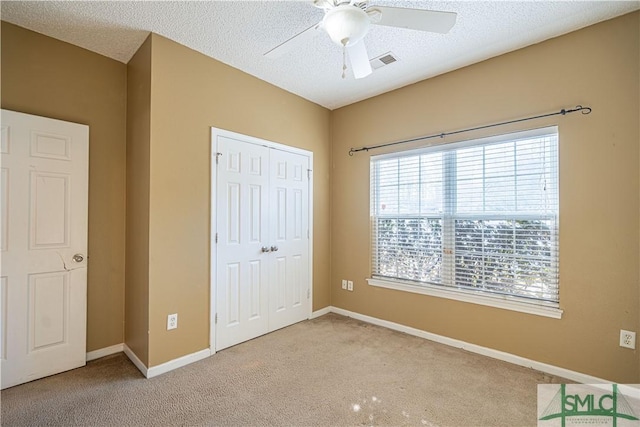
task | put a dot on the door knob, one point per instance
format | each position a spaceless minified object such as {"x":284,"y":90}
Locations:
{"x":274,"y":249}
{"x":78,"y":258}
{"x":265,"y":249}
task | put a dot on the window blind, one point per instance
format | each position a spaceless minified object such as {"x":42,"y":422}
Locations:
{"x":480,"y":215}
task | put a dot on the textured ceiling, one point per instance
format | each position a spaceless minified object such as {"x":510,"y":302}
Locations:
{"x":238,"y":33}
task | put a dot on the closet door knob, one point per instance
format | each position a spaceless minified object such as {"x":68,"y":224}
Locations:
{"x":274,"y":249}
{"x":265,"y":249}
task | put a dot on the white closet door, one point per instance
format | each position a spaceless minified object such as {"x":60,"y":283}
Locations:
{"x":44,"y":246}
{"x":242,"y":208}
{"x":289,"y":225}
{"x":261,"y":243}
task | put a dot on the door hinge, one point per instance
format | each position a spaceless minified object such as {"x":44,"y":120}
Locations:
{"x":308,"y":173}
{"x":216,"y":320}
{"x":216,"y":237}
{"x":218,"y":157}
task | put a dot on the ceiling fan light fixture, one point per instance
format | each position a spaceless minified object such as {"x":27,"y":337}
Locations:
{"x":346,"y":24}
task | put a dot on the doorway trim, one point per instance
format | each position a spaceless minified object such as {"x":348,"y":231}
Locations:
{"x":215,"y":133}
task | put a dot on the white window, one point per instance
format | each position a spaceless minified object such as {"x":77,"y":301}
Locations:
{"x":476,"y":221}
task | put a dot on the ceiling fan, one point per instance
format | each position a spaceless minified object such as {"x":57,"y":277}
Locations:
{"x":348,"y":21}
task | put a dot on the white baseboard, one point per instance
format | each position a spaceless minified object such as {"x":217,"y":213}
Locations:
{"x":154,"y":371}
{"x":320,"y":312}
{"x":102,"y":352}
{"x":473,"y":348}
{"x":132,"y":356}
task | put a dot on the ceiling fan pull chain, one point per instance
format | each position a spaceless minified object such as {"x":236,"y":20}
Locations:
{"x":344,"y":61}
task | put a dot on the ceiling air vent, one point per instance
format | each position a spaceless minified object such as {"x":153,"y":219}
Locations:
{"x":382,"y":60}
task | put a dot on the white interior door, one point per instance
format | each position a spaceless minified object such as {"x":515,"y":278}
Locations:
{"x":242,"y":226}
{"x":261,"y":248}
{"x":44,"y":245}
{"x":289,"y":217}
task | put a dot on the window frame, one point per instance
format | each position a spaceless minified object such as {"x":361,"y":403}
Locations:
{"x":514,"y":303}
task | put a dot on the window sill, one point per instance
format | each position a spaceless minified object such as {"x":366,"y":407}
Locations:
{"x":469,"y":296}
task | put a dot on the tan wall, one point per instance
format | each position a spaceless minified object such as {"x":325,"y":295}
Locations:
{"x":50,"y":78}
{"x":599,"y":194}
{"x":138,"y":158}
{"x":190,"y":93}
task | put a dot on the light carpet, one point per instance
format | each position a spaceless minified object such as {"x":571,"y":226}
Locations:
{"x":330,"y":371}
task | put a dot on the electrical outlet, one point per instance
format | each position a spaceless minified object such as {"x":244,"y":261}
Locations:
{"x":350,"y":285}
{"x":627,"y":339}
{"x":172,"y":321}
{"x":344,"y":284}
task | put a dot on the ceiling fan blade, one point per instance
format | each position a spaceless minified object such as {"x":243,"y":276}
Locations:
{"x":415,"y":19}
{"x":298,"y":40}
{"x":359,"y":60}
